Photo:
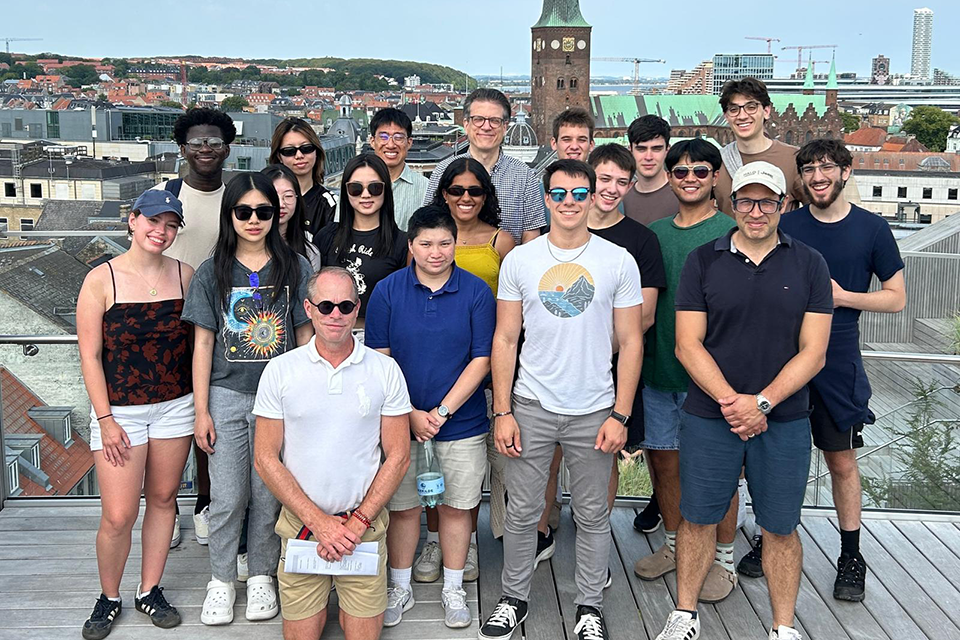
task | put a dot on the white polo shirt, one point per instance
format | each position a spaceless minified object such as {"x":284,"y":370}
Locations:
{"x":331,"y":419}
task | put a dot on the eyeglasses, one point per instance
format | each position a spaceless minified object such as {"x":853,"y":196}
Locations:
{"x":305,"y":149}
{"x":457,"y":190}
{"x":355,"y":189}
{"x":700,"y":171}
{"x":746,"y":205}
{"x":243,"y":212}
{"x":385,"y":137}
{"x":579,"y":194}
{"x":825,"y":168}
{"x":478,"y":121}
{"x":215,"y":144}
{"x":254,"y":281}
{"x":326,"y":307}
{"x":288,"y":198}
{"x":750,"y":108}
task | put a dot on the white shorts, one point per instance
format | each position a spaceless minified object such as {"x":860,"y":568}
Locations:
{"x":161,"y":421}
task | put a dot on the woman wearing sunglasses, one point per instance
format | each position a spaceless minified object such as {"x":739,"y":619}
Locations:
{"x":297,"y":146}
{"x":366,"y":240}
{"x":292,"y":213}
{"x":246,"y":308}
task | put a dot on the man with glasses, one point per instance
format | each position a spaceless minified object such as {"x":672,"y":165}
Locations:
{"x":574,"y":293}
{"x":651,"y":197}
{"x":486,"y":114}
{"x":325,"y":412}
{"x":746,"y":106}
{"x":753,"y":321}
{"x":390,"y":137}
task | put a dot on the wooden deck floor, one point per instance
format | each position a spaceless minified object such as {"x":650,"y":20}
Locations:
{"x":48,"y":584}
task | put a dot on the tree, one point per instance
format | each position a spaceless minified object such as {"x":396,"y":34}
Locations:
{"x":83,"y":74}
{"x":234,"y":103}
{"x":851,"y":122}
{"x":172,"y":104}
{"x":250,"y":72}
{"x":197,"y":75}
{"x":931,"y":126}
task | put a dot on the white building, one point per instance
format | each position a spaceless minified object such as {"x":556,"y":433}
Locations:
{"x":953,"y":139}
{"x":922,"y":42}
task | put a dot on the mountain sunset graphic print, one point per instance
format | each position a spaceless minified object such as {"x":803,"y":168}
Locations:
{"x":566,"y":290}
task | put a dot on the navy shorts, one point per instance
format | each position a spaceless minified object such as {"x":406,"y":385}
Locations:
{"x":776,"y":462}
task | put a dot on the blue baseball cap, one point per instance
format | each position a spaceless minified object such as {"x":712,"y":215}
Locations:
{"x":153,"y":202}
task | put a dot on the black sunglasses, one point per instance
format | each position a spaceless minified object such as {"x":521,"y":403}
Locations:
{"x":355,"y":189}
{"x":457,"y":190}
{"x":305,"y":149}
{"x":700,"y":171}
{"x":243,"y":212}
{"x":326,"y":307}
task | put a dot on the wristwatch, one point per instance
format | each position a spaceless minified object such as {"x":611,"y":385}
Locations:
{"x":763,"y":405}
{"x":444,"y":412}
{"x":619,"y":417}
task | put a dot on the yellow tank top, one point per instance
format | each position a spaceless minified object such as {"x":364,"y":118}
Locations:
{"x":482,"y":260}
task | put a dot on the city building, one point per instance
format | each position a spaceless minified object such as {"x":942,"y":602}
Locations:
{"x":699,"y":80}
{"x":890,"y":182}
{"x":880,"y":70}
{"x":943,"y":79}
{"x":922,"y":43}
{"x":520,"y":140}
{"x":733,"y":66}
{"x":953,"y":139}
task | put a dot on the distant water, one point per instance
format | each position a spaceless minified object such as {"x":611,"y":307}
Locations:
{"x":622,"y":89}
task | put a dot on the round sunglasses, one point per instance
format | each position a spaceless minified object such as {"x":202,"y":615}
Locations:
{"x":579,"y":194}
{"x":326,"y":307}
{"x":700,"y":171}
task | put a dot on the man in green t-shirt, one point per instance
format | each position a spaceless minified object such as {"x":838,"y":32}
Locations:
{"x":692,"y":167}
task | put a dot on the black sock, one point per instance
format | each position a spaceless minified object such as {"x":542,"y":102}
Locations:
{"x":692,"y":612}
{"x":202,"y":501}
{"x":850,"y":542}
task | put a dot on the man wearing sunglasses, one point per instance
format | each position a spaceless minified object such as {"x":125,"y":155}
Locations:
{"x":391,"y":138}
{"x":753,"y":321}
{"x":486,"y":114}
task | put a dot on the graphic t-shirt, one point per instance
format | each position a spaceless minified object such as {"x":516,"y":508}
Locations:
{"x":252,"y":327}
{"x":568,"y":298}
{"x":647,"y":207}
{"x":201,"y":225}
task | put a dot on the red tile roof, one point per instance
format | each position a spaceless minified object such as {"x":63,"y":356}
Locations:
{"x":866,"y":137}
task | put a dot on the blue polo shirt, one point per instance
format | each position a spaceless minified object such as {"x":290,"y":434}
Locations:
{"x":433,"y":336}
{"x":754,"y":314}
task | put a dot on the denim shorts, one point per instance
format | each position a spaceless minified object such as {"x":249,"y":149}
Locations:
{"x":661,"y":415}
{"x":776,"y":462}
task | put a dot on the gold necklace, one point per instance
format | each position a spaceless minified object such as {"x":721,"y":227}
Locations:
{"x":153,"y":289}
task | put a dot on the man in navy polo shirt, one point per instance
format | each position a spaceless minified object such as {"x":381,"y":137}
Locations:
{"x":753,"y":322}
{"x":437,"y":321}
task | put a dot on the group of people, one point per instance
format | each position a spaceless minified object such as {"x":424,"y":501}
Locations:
{"x":307,"y":345}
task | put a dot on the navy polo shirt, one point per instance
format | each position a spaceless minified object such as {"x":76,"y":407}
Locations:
{"x":754,"y":314}
{"x":433,"y":336}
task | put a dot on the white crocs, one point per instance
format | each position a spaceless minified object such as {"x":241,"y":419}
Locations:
{"x":261,"y":598}
{"x":218,"y":605}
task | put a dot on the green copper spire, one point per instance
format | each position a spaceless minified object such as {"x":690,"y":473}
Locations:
{"x":832,"y":78}
{"x":561,"y":13}
{"x":808,"y":80}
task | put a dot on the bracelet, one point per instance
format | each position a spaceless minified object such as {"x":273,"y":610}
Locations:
{"x":503,"y":413}
{"x":109,"y":415}
{"x":362,"y":518}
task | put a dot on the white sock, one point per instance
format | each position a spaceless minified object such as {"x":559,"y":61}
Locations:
{"x":433,"y":536}
{"x":140,"y":594}
{"x":473,"y":538}
{"x":671,"y":540}
{"x":117,"y":599}
{"x":401,"y":577}
{"x":452,"y":579}
{"x":724,"y":556}
{"x":785,"y":628}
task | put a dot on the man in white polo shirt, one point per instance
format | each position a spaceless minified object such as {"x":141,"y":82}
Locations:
{"x":324,"y":413}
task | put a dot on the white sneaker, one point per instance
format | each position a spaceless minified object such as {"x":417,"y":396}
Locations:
{"x":427,"y":566}
{"x":398,"y":601}
{"x":742,"y":506}
{"x":456,"y":613}
{"x":218,"y":604}
{"x":175,"y":538}
{"x":785,"y":633}
{"x":201,"y":525}
{"x":680,"y":626}
{"x":471,"y":568}
{"x":243,"y":571}
{"x":261,"y":598}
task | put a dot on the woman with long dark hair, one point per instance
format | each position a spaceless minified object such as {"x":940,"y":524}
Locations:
{"x":366,"y":239}
{"x":292,"y":213}
{"x":246,"y":306}
{"x":296,"y":145}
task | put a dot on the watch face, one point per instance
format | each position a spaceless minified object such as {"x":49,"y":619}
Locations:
{"x":442,"y":411}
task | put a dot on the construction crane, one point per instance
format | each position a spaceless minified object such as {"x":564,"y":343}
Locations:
{"x":9,"y":40}
{"x":636,"y":69}
{"x":767,"y":40}
{"x":801,"y":48}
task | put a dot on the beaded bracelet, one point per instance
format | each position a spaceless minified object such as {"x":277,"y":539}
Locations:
{"x":362,"y":518}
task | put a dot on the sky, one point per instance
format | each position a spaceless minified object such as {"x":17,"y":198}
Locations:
{"x":480,"y":37}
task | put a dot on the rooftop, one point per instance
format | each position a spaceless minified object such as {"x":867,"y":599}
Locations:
{"x":561,"y":13}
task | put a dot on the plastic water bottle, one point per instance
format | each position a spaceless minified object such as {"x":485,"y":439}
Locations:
{"x":429,"y":475}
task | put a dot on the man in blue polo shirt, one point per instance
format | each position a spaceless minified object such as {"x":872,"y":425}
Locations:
{"x":753,"y":321}
{"x":437,"y":321}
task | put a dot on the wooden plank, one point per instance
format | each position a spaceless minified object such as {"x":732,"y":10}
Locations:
{"x":544,"y":617}
{"x":947,"y":534}
{"x":491,"y":553}
{"x":757,"y":594}
{"x":186,"y":549}
{"x":937,"y":554}
{"x":711,"y":628}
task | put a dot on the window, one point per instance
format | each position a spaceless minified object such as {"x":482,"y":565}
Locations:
{"x":877,"y":192}
{"x":13,"y":478}
{"x":901,"y":163}
{"x":573,"y":83}
{"x":10,"y":189}
{"x":243,"y":163}
{"x":951,"y":194}
{"x":34,"y":130}
{"x":559,"y":83}
{"x":6,"y":130}
{"x":861,"y":161}
{"x":901,"y":192}
{"x":928,"y":193}
{"x":18,"y":124}
{"x":36,"y":190}
{"x":3,"y":223}
{"x":53,"y":124}
{"x":26,"y":224}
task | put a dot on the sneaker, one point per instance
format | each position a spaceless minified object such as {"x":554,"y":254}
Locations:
{"x":201,"y":525}
{"x":649,"y":519}
{"x":851,"y":574}
{"x":590,"y":624}
{"x":546,"y":546}
{"x":681,"y":625}
{"x":175,"y":538}
{"x":506,"y":617}
{"x":718,"y":584}
{"x":456,"y":613}
{"x":657,"y":564}
{"x":398,"y":601}
{"x":162,"y":613}
{"x":101,"y":620}
{"x":785,"y":633}
{"x":751,"y":565}
{"x":428,"y":564}
{"x":606,"y":585}
{"x":742,"y":502}
{"x":218,"y":603}
{"x":262,"y":601}
{"x":243,"y":571}
{"x":471,"y":568}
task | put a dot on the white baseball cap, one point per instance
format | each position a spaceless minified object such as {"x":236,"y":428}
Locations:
{"x":760,"y":172}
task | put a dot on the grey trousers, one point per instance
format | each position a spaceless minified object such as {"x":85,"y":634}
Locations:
{"x":235,"y":485}
{"x":526,"y":480}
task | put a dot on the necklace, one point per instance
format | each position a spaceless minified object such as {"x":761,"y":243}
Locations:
{"x":574,"y":257}
{"x":153,"y":289}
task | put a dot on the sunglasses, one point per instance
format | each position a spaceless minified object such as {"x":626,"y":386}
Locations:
{"x":326,"y":307}
{"x":457,"y":190}
{"x":700,"y":171}
{"x":305,"y":149}
{"x":243,"y":212}
{"x":215,"y":144}
{"x":355,"y":189}
{"x":579,"y":194}
{"x":254,"y":281}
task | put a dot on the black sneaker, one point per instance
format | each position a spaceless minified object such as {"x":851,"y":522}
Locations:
{"x":649,"y":519}
{"x":161,"y":612}
{"x":851,"y":573}
{"x":546,"y":546}
{"x":590,"y":624}
{"x":101,"y":620}
{"x":506,"y":617}
{"x":751,"y":565}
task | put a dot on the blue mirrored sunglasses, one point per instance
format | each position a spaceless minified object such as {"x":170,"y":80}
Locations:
{"x":579,"y":194}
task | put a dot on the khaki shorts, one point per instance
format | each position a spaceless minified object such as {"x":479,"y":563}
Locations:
{"x":464,"y":464}
{"x":305,"y":595}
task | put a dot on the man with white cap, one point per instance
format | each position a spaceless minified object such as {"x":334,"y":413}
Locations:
{"x":753,"y":321}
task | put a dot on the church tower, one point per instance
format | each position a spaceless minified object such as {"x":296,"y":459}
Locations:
{"x":560,"y":64}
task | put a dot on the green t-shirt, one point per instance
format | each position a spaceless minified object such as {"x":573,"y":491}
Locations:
{"x":661,"y":369}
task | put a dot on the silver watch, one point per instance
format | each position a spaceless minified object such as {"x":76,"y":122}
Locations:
{"x":763,"y":405}
{"x":443,"y":411}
